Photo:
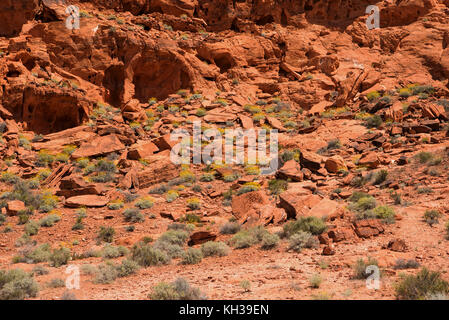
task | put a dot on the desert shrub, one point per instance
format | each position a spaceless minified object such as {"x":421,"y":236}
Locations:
{"x":60,"y":257}
{"x":258,"y":232}
{"x":192,"y":256}
{"x":145,"y":203}
{"x":56,"y":283}
{"x":180,"y":289}
{"x":126,"y":268}
{"x":431,"y":217}
{"x":374,"y":121}
{"x":424,"y":190}
{"x":68,"y":295}
{"x":181,"y":226}
{"x":110,"y":252}
{"x":17,"y":284}
{"x":191,"y":218}
{"x":193,"y":204}
{"x":105,"y":273}
{"x":172,"y":250}
{"x":424,"y":156}
{"x":21,"y":191}
{"x":230,"y":177}
{"x":44,"y":158}
{"x":243,"y":239}
{"x":212,"y":248}
{"x":133,"y":215}
{"x":315,"y":281}
{"x":331,"y":145}
{"x":115,"y":205}
{"x":186,"y":176}
{"x":277,"y":186}
{"x":421,"y":285}
{"x":38,"y":254}
{"x":23,"y":218}
{"x":78,"y":224}
{"x":290,"y":155}
{"x":363,"y":204}
{"x":201,"y":112}
{"x":245,"y":285}
{"x":386,"y":213}
{"x":40,"y":270}
{"x":31,"y":228}
{"x":106,"y":234}
{"x":178,"y":237}
{"x":230,"y":228}
{"x":270,"y":241}
{"x":380,"y":176}
{"x":102,"y":177}
{"x":48,"y":202}
{"x":88,"y":269}
{"x":207,"y":177}
{"x":312,"y":225}
{"x":129,"y":197}
{"x":23,"y":240}
{"x":300,"y":240}
{"x":360,"y":268}
{"x":406,"y":264}
{"x":163,"y":188}
{"x":145,"y":255}
{"x":62,"y":157}
{"x":252,"y":170}
{"x":372,"y":95}
{"x":49,"y":220}
{"x":248,"y":187}
{"x":171,"y":196}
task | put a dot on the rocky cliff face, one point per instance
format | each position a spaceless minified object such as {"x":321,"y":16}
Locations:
{"x":144,"y":49}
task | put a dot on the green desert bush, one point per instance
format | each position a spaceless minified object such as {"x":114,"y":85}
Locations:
{"x":180,"y":289}
{"x":49,"y":220}
{"x":106,"y":234}
{"x":111,"y":252}
{"x":31,"y":228}
{"x":421,"y":285}
{"x":243,"y":239}
{"x":300,"y":240}
{"x":178,"y":237}
{"x":144,"y":203}
{"x":431,"y":217}
{"x":277,"y":186}
{"x":115,"y":205}
{"x":269,"y":241}
{"x":360,"y":268}
{"x":56,"y":283}
{"x":17,"y":284}
{"x":133,"y":215}
{"x":315,"y":281}
{"x":192,"y":256}
{"x":212,"y":248}
{"x":312,"y":225}
{"x":145,"y":255}
{"x":230,"y":228}
{"x":59,"y":257}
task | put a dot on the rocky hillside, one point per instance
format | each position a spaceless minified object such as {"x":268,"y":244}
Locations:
{"x":87,"y":179}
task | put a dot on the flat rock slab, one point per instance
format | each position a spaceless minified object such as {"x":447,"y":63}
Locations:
{"x":99,"y":146}
{"x":89,"y":200}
